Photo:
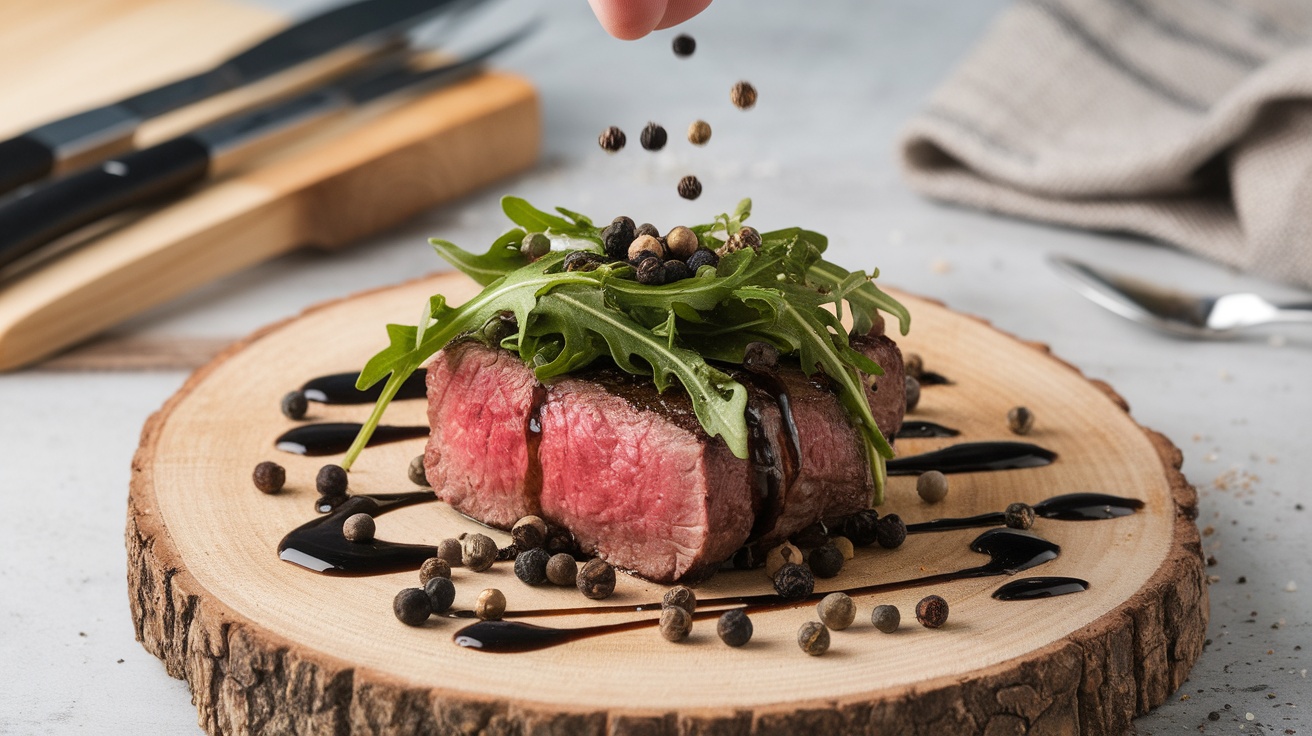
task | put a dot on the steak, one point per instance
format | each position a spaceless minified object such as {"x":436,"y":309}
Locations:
{"x":630,"y":471}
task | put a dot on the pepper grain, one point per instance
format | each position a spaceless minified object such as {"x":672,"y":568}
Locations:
{"x":562,"y":569}
{"x":617,"y":236}
{"x":681,"y":596}
{"x":653,"y":137}
{"x":651,"y":271}
{"x":331,"y":481}
{"x":681,"y":243}
{"x":531,"y":566}
{"x":891,"y":532}
{"x":416,"y":471}
{"x":491,"y":605}
{"x":734,"y":627}
{"x":441,"y":594}
{"x":743,"y":95}
{"x":412,"y":607}
{"x":689,"y":187}
{"x":684,"y":45}
{"x":886,"y":618}
{"x":932,"y":486}
{"x":449,"y":550}
{"x":932,"y":611}
{"x":813,"y":638}
{"x":269,"y":477}
{"x":529,"y":532}
{"x":645,"y":244}
{"x":793,"y":581}
{"x":1020,"y":420}
{"x":596,"y":579}
{"x":434,"y":567}
{"x":699,"y":132}
{"x":1019,"y":516}
{"x":836,"y":610}
{"x":913,"y":393}
{"x":611,"y":139}
{"x":676,"y":623}
{"x":701,"y":258}
{"x":534,"y":246}
{"x":780,"y":556}
{"x":676,"y":271}
{"x":294,"y":405}
{"x":825,"y":561}
{"x":359,"y":528}
{"x":478,"y":552}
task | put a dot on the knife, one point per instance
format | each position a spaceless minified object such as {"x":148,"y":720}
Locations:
{"x":86,"y":137}
{"x":47,"y":212}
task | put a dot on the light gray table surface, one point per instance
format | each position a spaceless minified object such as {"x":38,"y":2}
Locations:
{"x":837,"y":81}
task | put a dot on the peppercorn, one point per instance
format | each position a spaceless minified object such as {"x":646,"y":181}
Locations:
{"x":559,"y":539}
{"x":836,"y":611}
{"x":498,"y":328}
{"x":478,"y":552}
{"x":891,"y":532}
{"x":647,"y":228}
{"x":780,"y":556}
{"x":684,"y":45}
{"x":582,"y":260}
{"x":562,"y":569}
{"x":434,"y":567}
{"x":676,"y":271}
{"x":508,"y":552}
{"x":861,"y":527}
{"x":825,"y":561}
{"x":359,"y":528}
{"x":449,"y":550}
{"x":932,"y":611}
{"x":762,"y":357}
{"x":617,"y":236}
{"x":331,"y":481}
{"x":324,"y":504}
{"x":1020,"y":420}
{"x":681,"y":596}
{"x":651,"y":271}
{"x":813,"y":638}
{"x":699,"y":132}
{"x":702,"y":257}
{"x":676,"y":623}
{"x":689,"y":187}
{"x":746,"y":237}
{"x":813,"y":535}
{"x":913,"y":365}
{"x":647,"y":244}
{"x":844,"y":546}
{"x":416,"y":471}
{"x":535,"y":245}
{"x":1019,"y":516}
{"x":913,"y":393}
{"x":491,"y":605}
{"x":734,"y":627}
{"x":611,"y":139}
{"x":294,"y":405}
{"x":653,"y":137}
{"x":743,"y":96}
{"x":886,"y":618}
{"x":794,"y":581}
{"x":596,"y":579}
{"x":269,"y":477}
{"x":932,"y":486}
{"x":681,"y":243}
{"x":531,"y":566}
{"x":412,"y":607}
{"x":441,"y":593}
{"x":529,"y":532}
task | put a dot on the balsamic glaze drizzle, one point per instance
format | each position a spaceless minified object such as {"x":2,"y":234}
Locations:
{"x":1027,"y":589}
{"x":339,"y":388}
{"x":916,"y":429}
{"x":974,"y":457}
{"x":319,"y":545}
{"x":331,"y":438}
{"x":1068,"y":507}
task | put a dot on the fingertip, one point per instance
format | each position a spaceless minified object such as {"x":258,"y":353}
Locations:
{"x":629,"y":20}
{"x":677,"y":11}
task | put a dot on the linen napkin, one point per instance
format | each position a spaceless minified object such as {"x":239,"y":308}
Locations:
{"x":1187,"y":121}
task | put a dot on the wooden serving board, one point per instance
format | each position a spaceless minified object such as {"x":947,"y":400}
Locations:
{"x":358,"y":175}
{"x":270,"y":647}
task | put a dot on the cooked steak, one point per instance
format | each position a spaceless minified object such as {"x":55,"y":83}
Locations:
{"x":631,"y":472}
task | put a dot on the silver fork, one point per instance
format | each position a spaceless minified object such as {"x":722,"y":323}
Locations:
{"x":1176,"y":312}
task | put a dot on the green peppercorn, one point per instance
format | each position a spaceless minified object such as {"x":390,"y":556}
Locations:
{"x":825,"y":561}
{"x":1020,"y":420}
{"x":562,"y":569}
{"x":531,"y":566}
{"x":1019,"y":516}
{"x":611,"y":139}
{"x":434,"y":567}
{"x":441,"y":594}
{"x":535,"y":245}
{"x":836,"y":610}
{"x":269,"y":477}
{"x":891,"y":532}
{"x":653,"y":137}
{"x":676,"y":623}
{"x":331,"y":481}
{"x":699,"y":132}
{"x":294,"y":405}
{"x":913,"y":365}
{"x":844,"y":546}
{"x":596,"y":579}
{"x":450,"y":551}
{"x":418,"y":475}
{"x":794,"y":581}
{"x":412,"y":607}
{"x":932,"y":486}
{"x":491,"y":605}
{"x":701,"y":258}
{"x":478,"y":552}
{"x":645,"y":244}
{"x":780,"y":556}
{"x":681,"y":596}
{"x":743,"y":95}
{"x":651,"y":271}
{"x":813,"y":638}
{"x":359,"y":528}
{"x":886,"y":618}
{"x":734,"y":627}
{"x":684,"y":45}
{"x":932,"y":611}
{"x":529,"y":532}
{"x":689,"y":187}
{"x":913,"y":393}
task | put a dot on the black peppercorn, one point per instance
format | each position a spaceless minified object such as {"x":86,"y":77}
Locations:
{"x":684,"y":45}
{"x":813,"y":638}
{"x":886,"y":618}
{"x":412,"y":607}
{"x":611,"y":139}
{"x":478,"y":552}
{"x":653,"y":137}
{"x":535,"y":245}
{"x":701,"y":258}
{"x":810,"y":536}
{"x":689,"y":187}
{"x":681,"y":596}
{"x":441,"y":594}
{"x":676,"y":271}
{"x":269,"y":477}
{"x":932,"y":611}
{"x":294,"y":405}
{"x":562,"y":569}
{"x":932,"y":486}
{"x":450,"y":551}
{"x":647,"y":228}
{"x":836,"y":611}
{"x":676,"y":623}
{"x":529,"y":532}
{"x":331,"y":481}
{"x":531,"y":566}
{"x":913,"y":365}
{"x":582,"y":260}
{"x":699,"y":132}
{"x":734,"y":627}
{"x":596,"y":579}
{"x":743,"y":95}
{"x":651,"y":271}
{"x":861,"y":527}
{"x":794,"y":581}
{"x":825,"y":561}
{"x":491,"y":605}
{"x":913,"y":393}
{"x":559,"y":539}
{"x":617,"y":236}
{"x":749,"y":237}
{"x":1019,"y":516}
{"x":359,"y":528}
{"x":1020,"y":420}
{"x":762,"y":357}
{"x":434,"y":567}
{"x":891,"y":532}
{"x":416,"y":471}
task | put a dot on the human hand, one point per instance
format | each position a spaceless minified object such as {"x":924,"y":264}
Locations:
{"x":632,"y":19}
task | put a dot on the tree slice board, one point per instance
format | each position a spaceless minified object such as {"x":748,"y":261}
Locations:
{"x":268,"y":647}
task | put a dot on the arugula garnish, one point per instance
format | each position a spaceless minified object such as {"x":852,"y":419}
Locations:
{"x":785,"y":294}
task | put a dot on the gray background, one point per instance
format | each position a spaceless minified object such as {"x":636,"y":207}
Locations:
{"x":837,"y":81}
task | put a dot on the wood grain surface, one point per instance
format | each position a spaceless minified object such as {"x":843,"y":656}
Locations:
{"x":270,"y":647}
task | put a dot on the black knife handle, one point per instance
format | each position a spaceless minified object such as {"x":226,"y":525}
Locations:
{"x":64,"y":205}
{"x":23,"y":159}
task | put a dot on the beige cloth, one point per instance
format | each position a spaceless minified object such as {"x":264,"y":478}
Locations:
{"x":1188,"y":121}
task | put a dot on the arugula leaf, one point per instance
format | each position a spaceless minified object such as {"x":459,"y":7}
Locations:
{"x":864,"y":301}
{"x":503,"y":257}
{"x":535,"y":220}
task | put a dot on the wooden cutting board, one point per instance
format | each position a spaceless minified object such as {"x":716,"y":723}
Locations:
{"x":267,"y":646}
{"x":361,"y":174}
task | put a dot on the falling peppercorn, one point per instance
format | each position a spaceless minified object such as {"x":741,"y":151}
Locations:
{"x":836,"y":610}
{"x":611,"y":139}
{"x":826,"y":561}
{"x":813,"y":638}
{"x":932,"y":486}
{"x":491,"y":605}
{"x":412,"y":607}
{"x":699,"y":132}
{"x":294,"y":405}
{"x":596,"y":579}
{"x":434,"y":567}
{"x":886,"y":618}
{"x":441,"y":594}
{"x":478,"y":552}
{"x":794,"y":581}
{"x":269,"y":477}
{"x":331,"y":481}
{"x":681,"y":596}
{"x":734,"y":627}
{"x":1019,"y":516}
{"x":932,"y":611}
{"x":531,"y":566}
{"x":743,"y":95}
{"x":684,"y":45}
{"x":359,"y":528}
{"x":1020,"y":420}
{"x":676,"y":623}
{"x":689,"y":187}
{"x":653,"y":137}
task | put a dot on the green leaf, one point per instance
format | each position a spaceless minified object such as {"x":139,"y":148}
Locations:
{"x":863,"y":301}
{"x":503,"y":257}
